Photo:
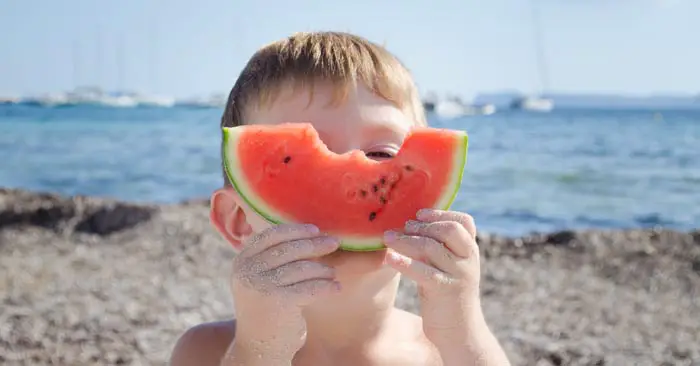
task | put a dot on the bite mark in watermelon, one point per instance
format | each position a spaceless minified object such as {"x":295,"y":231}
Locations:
{"x":288,"y":175}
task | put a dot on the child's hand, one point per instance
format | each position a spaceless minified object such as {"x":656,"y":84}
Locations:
{"x":273,"y":277}
{"x":440,"y":253}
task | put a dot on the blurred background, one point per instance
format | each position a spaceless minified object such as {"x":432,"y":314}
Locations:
{"x":581,"y":115}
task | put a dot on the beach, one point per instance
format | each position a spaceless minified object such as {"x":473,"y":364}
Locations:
{"x":111,"y":266}
{"x":582,"y":169}
{"x":92,"y":281}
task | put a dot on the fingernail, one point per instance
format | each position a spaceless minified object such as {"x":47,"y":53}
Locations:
{"x":390,"y":236}
{"x":329,"y":240}
{"x":313,"y":229}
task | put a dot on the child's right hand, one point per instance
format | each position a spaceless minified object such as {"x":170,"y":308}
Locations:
{"x":274,"y":276}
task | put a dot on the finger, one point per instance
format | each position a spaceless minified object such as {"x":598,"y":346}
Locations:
{"x":294,"y":250}
{"x":416,"y":270}
{"x":422,"y":248}
{"x":307,"y":291}
{"x":451,"y":233}
{"x":431,"y":215}
{"x":298,"y":271}
{"x":276,"y":234}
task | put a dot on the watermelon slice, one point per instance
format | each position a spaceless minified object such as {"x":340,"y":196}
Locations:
{"x":288,"y":175}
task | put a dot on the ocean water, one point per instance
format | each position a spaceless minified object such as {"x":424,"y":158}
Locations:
{"x":525,"y":172}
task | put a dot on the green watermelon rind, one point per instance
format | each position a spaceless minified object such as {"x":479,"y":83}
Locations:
{"x":460,"y":161}
{"x":232,"y":166}
{"x":347,"y":243}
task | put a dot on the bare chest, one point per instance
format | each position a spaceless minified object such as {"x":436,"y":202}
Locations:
{"x":396,"y":356}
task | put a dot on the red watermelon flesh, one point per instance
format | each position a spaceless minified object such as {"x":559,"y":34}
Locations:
{"x":287,"y":174}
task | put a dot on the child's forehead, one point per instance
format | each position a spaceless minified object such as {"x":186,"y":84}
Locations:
{"x":352,"y":105}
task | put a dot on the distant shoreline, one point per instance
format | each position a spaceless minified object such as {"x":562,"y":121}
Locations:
{"x":501,"y":101}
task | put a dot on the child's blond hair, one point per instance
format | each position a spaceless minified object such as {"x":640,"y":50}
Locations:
{"x":304,"y":58}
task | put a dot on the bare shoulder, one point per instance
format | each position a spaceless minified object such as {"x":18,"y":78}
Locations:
{"x":204,"y":344}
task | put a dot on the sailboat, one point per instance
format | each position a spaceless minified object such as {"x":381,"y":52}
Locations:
{"x":153,"y":100}
{"x":94,"y":95}
{"x":536,"y":103}
{"x":454,"y":107}
{"x":533,"y":104}
{"x":48,"y":100}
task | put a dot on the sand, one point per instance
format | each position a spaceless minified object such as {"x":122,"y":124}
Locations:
{"x":87,"y":281}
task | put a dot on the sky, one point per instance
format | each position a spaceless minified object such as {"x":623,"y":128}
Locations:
{"x":460,"y":47}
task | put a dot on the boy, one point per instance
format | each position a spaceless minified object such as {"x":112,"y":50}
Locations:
{"x":299,"y":300}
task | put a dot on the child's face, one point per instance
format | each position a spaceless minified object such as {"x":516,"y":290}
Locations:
{"x":363,"y":121}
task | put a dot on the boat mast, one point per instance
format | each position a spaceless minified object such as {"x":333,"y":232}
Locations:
{"x":152,"y":53}
{"x":99,"y":55}
{"x":120,"y":63}
{"x":75,"y":58}
{"x":540,"y":57}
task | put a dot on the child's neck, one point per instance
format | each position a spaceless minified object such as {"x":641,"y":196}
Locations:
{"x":353,"y":318}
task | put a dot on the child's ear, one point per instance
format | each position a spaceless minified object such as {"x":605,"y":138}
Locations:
{"x":228,"y":217}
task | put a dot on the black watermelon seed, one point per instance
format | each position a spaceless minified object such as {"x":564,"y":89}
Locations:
{"x":382,"y":200}
{"x":372,"y":216}
{"x":287,"y":159}
{"x":382,"y":181}
{"x":408,"y":168}
{"x":375,"y":188}
{"x":363,"y":193}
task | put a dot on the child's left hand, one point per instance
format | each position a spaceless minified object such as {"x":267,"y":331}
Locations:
{"x":440,"y":253}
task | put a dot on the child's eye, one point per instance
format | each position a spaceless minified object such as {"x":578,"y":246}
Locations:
{"x":379,"y":155}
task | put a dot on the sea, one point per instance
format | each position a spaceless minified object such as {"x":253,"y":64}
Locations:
{"x":526,"y":172}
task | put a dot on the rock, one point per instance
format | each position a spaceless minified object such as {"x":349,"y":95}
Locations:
{"x":561,"y":237}
{"x":82,"y":214}
{"x":41,"y":209}
{"x":113,"y":217}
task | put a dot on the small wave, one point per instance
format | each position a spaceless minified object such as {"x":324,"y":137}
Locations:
{"x":530,"y":216}
{"x":597,"y":150}
{"x":569,"y":178}
{"x":59,"y":184}
{"x":583,"y":221}
{"x":653,"y":154}
{"x":653,"y":219}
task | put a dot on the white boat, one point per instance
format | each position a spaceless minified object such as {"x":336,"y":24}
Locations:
{"x":86,"y":95}
{"x":450,"y":108}
{"x":48,"y":100}
{"x":155,"y":101}
{"x":454,"y":107}
{"x":479,"y":109}
{"x":533,"y":104}
{"x":96,"y":97}
{"x":118,"y":100}
{"x":487,"y":109}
